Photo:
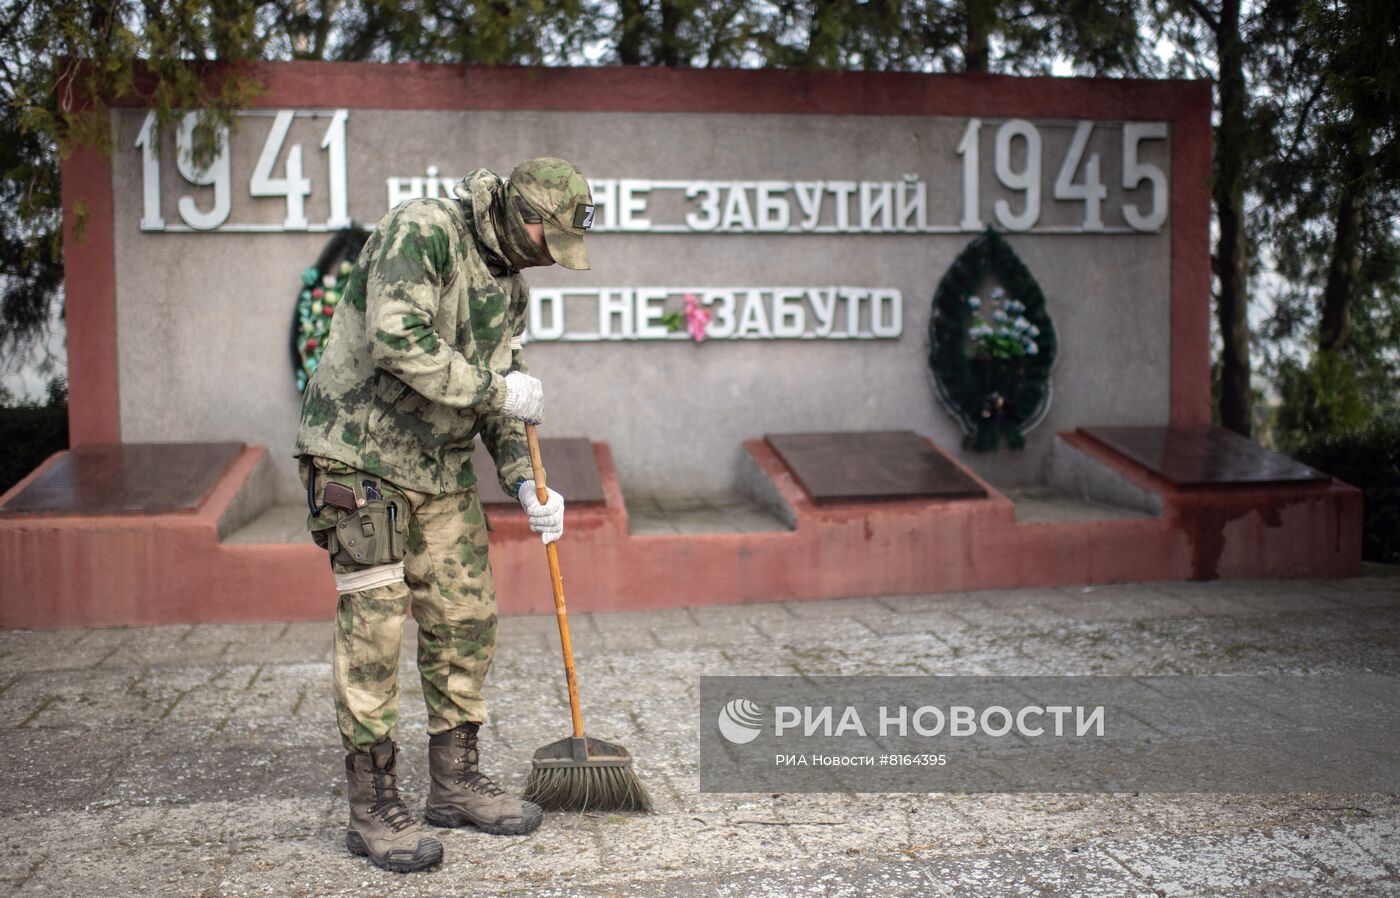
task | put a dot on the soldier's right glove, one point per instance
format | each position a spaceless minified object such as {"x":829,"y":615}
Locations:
{"x":546,"y":518}
{"x":524,"y":398}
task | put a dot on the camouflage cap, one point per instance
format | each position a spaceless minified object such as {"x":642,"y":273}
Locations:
{"x":559,"y":192}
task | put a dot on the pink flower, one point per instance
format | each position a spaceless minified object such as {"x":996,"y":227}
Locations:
{"x":696,"y":317}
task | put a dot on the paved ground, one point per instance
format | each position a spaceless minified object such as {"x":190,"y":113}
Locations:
{"x":202,"y":761}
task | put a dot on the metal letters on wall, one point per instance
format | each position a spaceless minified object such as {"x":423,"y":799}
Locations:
{"x":707,"y":206}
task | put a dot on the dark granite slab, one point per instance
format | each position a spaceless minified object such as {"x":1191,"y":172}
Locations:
{"x":126,"y":478}
{"x":569,"y":465}
{"x":1202,"y":456}
{"x":872,"y":466}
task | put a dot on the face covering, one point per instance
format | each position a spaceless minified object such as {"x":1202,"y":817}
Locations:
{"x":516,"y":242}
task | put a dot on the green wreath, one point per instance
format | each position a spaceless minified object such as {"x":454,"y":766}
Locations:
{"x":991,"y":358}
{"x":322,"y":286}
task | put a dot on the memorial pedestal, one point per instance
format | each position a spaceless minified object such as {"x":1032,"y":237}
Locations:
{"x":116,"y":562}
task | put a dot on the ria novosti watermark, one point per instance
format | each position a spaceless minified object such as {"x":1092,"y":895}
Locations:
{"x":931,"y":720}
{"x":1209,"y":733}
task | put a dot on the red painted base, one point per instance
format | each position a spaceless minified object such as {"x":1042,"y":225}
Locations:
{"x":164,"y":569}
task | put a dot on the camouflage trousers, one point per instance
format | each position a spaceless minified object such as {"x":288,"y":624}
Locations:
{"x":446,"y":582}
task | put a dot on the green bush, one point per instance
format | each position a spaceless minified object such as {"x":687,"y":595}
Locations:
{"x":31,"y":432}
{"x":1369,"y":459}
{"x":1323,"y":397}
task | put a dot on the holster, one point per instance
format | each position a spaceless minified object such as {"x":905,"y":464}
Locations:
{"x":372,"y":534}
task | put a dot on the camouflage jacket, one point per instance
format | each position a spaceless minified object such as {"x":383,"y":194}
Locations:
{"x":414,"y":366}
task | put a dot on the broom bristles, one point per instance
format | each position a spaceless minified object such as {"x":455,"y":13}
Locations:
{"x":587,"y":789}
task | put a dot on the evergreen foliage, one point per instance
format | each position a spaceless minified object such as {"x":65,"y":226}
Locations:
{"x":1308,"y":95}
{"x":31,"y":432}
{"x":1367,"y":458}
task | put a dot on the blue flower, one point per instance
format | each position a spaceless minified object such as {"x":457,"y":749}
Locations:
{"x":998,"y":293}
{"x":310,"y":276}
{"x":974,"y":303}
{"x":999,"y":316}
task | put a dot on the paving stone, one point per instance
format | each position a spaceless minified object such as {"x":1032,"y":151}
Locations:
{"x":1221,"y":865}
{"x":205,"y":761}
{"x":109,"y":637}
{"x":921,"y":604}
{"x":48,"y":770}
{"x":1379,"y":836}
{"x":1119,"y":609}
{"x":1210,"y":604}
{"x":531,"y":624}
{"x":992,"y":616}
{"x":1336,"y":852}
{"x":1373,"y":577}
{"x":1078,"y":872}
{"x":839,"y":609}
{"x":713,"y":635}
{"x":641,"y":621}
{"x":1363,"y":598}
{"x":750,"y":613}
{"x":283,"y":651}
{"x":937,"y":623}
{"x":822,"y":630}
{"x":39,"y":640}
{"x":62,"y":650}
{"x":1309,"y":601}
{"x":126,"y":870}
{"x":238,"y":634}
{"x":1047,"y":597}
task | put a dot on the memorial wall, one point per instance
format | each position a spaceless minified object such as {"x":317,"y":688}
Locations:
{"x":805,"y":250}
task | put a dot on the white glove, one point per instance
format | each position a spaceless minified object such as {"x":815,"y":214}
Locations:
{"x":546,"y":518}
{"x":524,"y":398}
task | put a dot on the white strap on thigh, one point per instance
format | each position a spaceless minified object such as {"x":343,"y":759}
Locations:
{"x":369,"y":578}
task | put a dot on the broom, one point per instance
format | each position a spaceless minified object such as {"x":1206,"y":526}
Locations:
{"x":578,"y":772}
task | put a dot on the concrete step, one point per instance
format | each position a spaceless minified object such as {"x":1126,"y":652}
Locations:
{"x":274,"y":524}
{"x":1041,"y":504}
{"x":722,"y":513}
{"x":648,"y":516}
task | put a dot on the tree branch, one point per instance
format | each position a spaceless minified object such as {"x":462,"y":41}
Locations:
{"x":1303,"y":117}
{"x":1379,"y":155}
{"x":1201,"y":10}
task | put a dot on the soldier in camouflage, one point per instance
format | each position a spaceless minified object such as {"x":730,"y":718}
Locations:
{"x":424,"y":355}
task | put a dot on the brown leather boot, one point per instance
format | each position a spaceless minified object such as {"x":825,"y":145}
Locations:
{"x":381,"y":827}
{"x":460,"y":794}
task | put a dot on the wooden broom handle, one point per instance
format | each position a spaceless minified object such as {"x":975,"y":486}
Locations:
{"x":557,"y":581}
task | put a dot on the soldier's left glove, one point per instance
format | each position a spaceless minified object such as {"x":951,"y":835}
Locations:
{"x":545,"y":517}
